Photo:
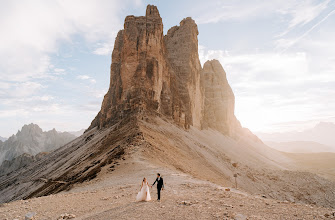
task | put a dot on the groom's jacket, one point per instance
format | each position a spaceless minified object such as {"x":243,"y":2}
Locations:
{"x":160,"y":183}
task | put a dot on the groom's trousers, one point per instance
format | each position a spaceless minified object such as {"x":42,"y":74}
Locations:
{"x":159,"y":193}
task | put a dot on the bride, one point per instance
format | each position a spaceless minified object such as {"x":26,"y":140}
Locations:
{"x":144,"y":193}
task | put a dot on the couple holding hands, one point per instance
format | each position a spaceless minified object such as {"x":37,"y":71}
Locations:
{"x":144,"y":194}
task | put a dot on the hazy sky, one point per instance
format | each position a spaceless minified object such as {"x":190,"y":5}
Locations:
{"x":279,"y":57}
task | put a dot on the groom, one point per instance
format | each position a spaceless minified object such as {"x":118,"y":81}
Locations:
{"x":160,"y":185}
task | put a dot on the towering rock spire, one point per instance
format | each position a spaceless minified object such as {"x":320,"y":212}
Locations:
{"x":152,"y":11}
{"x":219,"y":99}
{"x":152,"y":73}
{"x":138,"y":69}
{"x":182,"y":52}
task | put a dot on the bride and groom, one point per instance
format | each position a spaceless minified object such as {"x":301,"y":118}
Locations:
{"x":144,"y":194}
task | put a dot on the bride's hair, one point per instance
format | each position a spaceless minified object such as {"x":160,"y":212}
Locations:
{"x":144,"y":179}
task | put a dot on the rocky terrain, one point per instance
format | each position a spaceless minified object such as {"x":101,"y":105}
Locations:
{"x":205,"y":155}
{"x":164,"y":113}
{"x":2,"y":139}
{"x":111,"y":195}
{"x":322,"y":164}
{"x":16,"y":163}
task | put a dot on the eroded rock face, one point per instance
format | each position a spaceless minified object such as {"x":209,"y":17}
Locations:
{"x":182,"y":53}
{"x":151,"y":72}
{"x":219,"y":99}
{"x":139,"y":73}
{"x":18,"y":162}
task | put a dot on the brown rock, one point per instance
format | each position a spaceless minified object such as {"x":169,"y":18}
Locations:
{"x":152,"y":73}
{"x":66,"y":216}
{"x":219,"y":99}
{"x":182,"y":52}
{"x":138,"y":69}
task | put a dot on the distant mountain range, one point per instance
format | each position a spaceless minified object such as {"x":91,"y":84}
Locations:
{"x":321,"y":138}
{"x":32,"y":140}
{"x":300,"y":147}
{"x":3,"y":139}
{"x":77,"y":133}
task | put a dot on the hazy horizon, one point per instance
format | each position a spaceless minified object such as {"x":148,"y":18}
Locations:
{"x":279,"y":59}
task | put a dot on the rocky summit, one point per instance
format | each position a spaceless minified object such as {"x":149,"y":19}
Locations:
{"x":32,"y":140}
{"x":28,"y":145}
{"x":161,"y":74}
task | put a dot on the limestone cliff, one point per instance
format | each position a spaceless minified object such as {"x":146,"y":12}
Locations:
{"x":182,"y":53}
{"x":159,"y":74}
{"x":219,"y":99}
{"x":139,"y":73}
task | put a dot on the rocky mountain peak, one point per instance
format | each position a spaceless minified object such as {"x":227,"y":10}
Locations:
{"x":152,"y":11}
{"x":32,"y":139}
{"x":219,"y":99}
{"x":3,"y":139}
{"x":214,"y":66}
{"x":30,"y":130}
{"x":182,"y":54}
{"x":190,"y":23}
{"x":156,"y":74}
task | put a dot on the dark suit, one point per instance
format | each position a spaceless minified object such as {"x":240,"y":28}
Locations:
{"x":160,"y":185}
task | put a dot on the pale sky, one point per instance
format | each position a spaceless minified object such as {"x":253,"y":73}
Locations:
{"x":279,"y":57}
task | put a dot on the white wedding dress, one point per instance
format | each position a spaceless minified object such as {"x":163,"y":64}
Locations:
{"x":144,"y":194}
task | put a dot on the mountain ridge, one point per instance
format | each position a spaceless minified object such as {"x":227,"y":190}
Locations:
{"x":322,"y":133}
{"x":32,"y":139}
{"x":300,"y":147}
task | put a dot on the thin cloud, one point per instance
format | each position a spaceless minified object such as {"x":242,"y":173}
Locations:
{"x":303,"y":13}
{"x":233,"y":10}
{"x":289,"y":43}
{"x":31,"y":33}
{"x":86,"y":77}
{"x":104,"y":49}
